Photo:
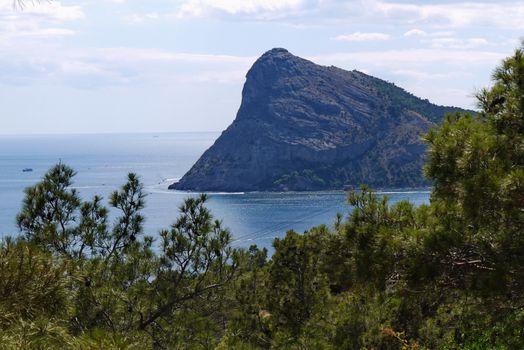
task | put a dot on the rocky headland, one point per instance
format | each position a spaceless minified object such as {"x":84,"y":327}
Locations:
{"x":302,"y":126}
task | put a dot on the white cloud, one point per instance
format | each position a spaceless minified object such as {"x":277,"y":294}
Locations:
{"x":214,"y":76}
{"x":138,"y":19}
{"x":457,"y":14}
{"x":421,"y":75}
{"x":446,"y":40}
{"x":415,"y":32}
{"x":503,"y":14}
{"x":98,"y":67}
{"x":44,"y":11}
{"x":455,"y":43}
{"x":44,"y":33}
{"x":401,"y":59}
{"x":155,"y":55}
{"x":199,"y":8}
{"x":358,"y":36}
{"x":36,"y":21}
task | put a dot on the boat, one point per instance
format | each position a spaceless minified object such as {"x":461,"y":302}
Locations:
{"x":27,"y":170}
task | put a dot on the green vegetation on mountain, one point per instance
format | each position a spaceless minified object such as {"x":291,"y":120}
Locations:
{"x":448,"y":275}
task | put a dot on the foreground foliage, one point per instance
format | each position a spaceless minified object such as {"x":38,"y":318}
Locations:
{"x":447,"y":275}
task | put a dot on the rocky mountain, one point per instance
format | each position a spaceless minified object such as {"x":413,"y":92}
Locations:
{"x":302,"y":126}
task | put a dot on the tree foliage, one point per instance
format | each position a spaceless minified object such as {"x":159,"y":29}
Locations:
{"x":111,"y":278}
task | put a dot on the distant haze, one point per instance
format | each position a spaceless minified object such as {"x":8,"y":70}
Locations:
{"x":161,"y":65}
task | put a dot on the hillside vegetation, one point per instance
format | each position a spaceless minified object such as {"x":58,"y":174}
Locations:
{"x":448,"y":275}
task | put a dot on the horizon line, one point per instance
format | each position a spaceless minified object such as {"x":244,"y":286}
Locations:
{"x":110,"y":133}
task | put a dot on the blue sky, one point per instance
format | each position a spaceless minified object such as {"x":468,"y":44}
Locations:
{"x":89,"y":66}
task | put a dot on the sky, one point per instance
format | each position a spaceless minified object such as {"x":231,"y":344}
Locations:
{"x":105,"y":66}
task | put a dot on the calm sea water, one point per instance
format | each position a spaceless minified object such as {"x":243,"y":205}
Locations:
{"x":103,"y":161}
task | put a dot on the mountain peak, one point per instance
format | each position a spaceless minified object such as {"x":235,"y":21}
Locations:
{"x":275,"y":57}
{"x":276,"y":51}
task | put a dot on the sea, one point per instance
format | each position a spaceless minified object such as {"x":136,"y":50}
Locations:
{"x":102,"y":162}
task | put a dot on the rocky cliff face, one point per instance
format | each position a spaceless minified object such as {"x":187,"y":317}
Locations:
{"x":302,"y":126}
